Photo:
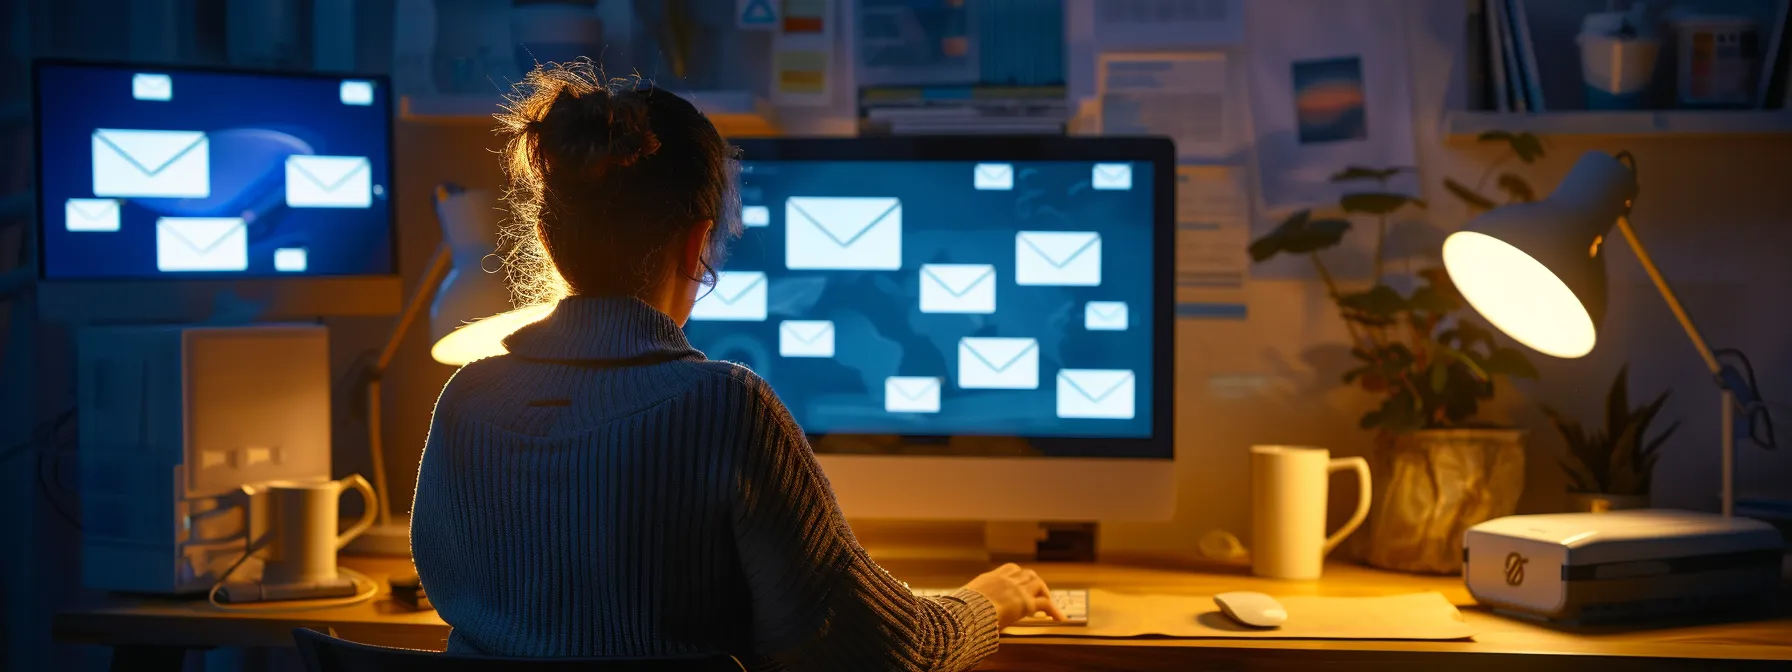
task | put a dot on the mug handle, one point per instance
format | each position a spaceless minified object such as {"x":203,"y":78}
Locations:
{"x":368,"y":502}
{"x":1362,"y":499}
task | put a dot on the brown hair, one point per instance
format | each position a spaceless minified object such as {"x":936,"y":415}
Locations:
{"x":603,"y":175}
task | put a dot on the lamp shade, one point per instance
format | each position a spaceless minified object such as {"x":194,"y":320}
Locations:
{"x":472,"y":312}
{"x":1536,"y":271}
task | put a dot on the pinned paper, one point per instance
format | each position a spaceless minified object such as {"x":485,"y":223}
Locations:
{"x":756,"y":14}
{"x":803,"y":54}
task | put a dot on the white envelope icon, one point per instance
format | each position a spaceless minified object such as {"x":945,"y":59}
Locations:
{"x":1057,"y":258}
{"x":826,"y":233}
{"x":356,"y":92}
{"x":993,"y":176}
{"x":1105,"y":316}
{"x":911,"y":394}
{"x":151,"y":164}
{"x":148,"y":86}
{"x":806,"y":338}
{"x":998,"y":363}
{"x":328,"y":182}
{"x":755,"y":215}
{"x":1095,"y":393}
{"x":738,"y":296}
{"x":91,"y":214}
{"x":202,"y":244}
{"x":1115,"y":176}
{"x":958,"y":288}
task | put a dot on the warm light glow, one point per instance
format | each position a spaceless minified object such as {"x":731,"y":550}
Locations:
{"x":485,"y":338}
{"x":1518,"y":295}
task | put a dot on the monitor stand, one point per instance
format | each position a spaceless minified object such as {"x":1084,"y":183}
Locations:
{"x":949,"y":541}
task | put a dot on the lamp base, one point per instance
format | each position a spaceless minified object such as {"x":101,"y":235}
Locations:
{"x":391,"y":540}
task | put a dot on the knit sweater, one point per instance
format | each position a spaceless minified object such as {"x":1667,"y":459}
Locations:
{"x":605,"y":490}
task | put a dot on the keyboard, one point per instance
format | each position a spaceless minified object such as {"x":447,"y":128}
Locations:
{"x":1074,"y":602}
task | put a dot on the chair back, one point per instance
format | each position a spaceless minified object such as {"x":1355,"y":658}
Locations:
{"x":325,"y":653}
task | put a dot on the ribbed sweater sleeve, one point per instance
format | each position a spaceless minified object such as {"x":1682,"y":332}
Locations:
{"x":819,"y":602}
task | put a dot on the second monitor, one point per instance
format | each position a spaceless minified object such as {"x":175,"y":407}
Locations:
{"x":961,"y":324}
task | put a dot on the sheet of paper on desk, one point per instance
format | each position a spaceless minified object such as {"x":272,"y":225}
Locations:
{"x":1213,"y":230}
{"x":1414,"y":616}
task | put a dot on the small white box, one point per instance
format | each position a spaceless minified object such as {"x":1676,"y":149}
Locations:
{"x":289,"y":260}
{"x":150,"y":86}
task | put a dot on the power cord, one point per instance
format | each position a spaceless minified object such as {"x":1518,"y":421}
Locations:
{"x":365,"y":589}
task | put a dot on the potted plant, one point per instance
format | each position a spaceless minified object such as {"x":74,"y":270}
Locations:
{"x":1611,"y":469}
{"x":1440,"y":468}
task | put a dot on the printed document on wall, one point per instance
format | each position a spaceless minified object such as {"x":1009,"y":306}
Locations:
{"x":1213,"y":233}
{"x":1180,"y":95}
{"x":803,"y":54}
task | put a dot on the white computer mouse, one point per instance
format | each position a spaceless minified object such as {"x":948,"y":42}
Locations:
{"x":1249,"y":609}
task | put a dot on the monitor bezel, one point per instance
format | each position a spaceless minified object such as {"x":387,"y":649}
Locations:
{"x":1159,"y":152}
{"x":219,"y":283}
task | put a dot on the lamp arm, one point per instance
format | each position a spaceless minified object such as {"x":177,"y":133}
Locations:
{"x":439,"y":264}
{"x":1667,"y":294}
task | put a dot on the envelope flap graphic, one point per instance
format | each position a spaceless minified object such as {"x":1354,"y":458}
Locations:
{"x":958,"y":279}
{"x":808,"y":332}
{"x":1108,"y":311}
{"x":150,"y":151}
{"x":1113,"y":170}
{"x":729,"y":288}
{"x":203,"y":234}
{"x":92,"y":208}
{"x":994,"y":171}
{"x":914,"y":389}
{"x":845,"y":220}
{"x":1096,"y":385}
{"x":328,"y":172}
{"x":1059,"y":249}
{"x":999,"y":353}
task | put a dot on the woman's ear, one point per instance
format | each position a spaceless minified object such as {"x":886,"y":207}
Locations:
{"x":695,"y":249}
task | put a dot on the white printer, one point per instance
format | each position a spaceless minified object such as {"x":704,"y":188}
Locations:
{"x":1621,"y":565}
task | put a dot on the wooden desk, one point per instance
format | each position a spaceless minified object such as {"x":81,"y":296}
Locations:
{"x":140,"y":625}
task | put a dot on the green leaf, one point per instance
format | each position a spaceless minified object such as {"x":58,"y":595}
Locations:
{"x":1351,"y":173}
{"x":1460,"y":357}
{"x":1617,"y":402}
{"x":1398,"y":413}
{"x":1430,"y":299}
{"x":1527,"y":146}
{"x":1440,"y":374}
{"x":1494,"y":136}
{"x":1376,"y":203}
{"x":1468,"y":196}
{"x":1510,"y":363}
{"x":1379,"y":301}
{"x":1649,"y":450}
{"x":1517,"y":188}
{"x":1317,"y":235}
{"x":1351,"y":375}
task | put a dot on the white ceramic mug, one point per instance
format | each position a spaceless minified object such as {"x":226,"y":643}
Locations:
{"x":1288,"y":498}
{"x":296,"y":522}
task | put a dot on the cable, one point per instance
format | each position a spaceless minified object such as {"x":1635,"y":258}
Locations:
{"x":366,"y":589}
{"x":44,"y":486}
{"x":1756,"y":409}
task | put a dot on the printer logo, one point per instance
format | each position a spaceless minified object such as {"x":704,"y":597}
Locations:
{"x":1515,"y":569}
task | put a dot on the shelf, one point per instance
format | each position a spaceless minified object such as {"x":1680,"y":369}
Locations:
{"x":735,"y":113}
{"x":1466,"y":125}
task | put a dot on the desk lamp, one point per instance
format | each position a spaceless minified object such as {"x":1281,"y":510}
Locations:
{"x":1537,"y":272}
{"x":468,"y":320}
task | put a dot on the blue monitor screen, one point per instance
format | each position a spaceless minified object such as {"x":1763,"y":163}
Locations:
{"x":942,"y":298}
{"x":182,"y":174}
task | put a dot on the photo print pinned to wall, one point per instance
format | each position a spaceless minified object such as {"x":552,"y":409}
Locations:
{"x":1329,"y":100}
{"x":1329,"y":89}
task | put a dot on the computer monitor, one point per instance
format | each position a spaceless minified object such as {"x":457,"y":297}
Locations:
{"x":179,"y":193}
{"x":969,"y":328}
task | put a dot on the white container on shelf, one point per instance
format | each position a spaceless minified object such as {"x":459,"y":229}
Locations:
{"x":1617,"y":68}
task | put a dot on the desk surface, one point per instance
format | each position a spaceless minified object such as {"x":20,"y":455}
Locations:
{"x":128,"y":620}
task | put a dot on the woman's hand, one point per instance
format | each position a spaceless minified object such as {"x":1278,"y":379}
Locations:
{"x":1016,"y":593}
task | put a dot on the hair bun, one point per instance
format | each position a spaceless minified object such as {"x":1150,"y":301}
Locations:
{"x":603,"y":126}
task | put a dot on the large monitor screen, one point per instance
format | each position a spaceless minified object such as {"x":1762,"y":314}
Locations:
{"x":159,"y":173}
{"x":949,"y":298}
